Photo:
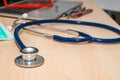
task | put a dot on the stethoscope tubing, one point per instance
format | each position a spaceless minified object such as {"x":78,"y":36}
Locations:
{"x":87,"y":37}
{"x":55,"y":37}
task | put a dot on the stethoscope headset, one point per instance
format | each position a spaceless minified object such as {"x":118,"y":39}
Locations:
{"x":30,"y":58}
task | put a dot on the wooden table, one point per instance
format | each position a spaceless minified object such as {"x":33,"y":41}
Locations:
{"x":65,"y":61}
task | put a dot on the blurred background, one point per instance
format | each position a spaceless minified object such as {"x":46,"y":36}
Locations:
{"x":111,"y":7}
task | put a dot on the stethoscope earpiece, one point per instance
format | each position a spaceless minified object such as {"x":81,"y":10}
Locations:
{"x":9,"y":28}
{"x":25,"y":15}
{"x":29,"y":58}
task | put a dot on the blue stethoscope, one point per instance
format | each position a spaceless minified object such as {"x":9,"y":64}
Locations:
{"x":30,"y":58}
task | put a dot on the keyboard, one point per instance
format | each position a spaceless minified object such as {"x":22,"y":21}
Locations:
{"x":15,"y":11}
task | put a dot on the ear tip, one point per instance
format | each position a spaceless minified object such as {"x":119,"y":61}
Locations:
{"x":9,"y":28}
{"x":25,"y":15}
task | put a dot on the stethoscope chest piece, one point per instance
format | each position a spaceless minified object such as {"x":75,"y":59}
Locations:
{"x":29,"y":58}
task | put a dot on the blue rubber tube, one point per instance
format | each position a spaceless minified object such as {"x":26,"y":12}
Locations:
{"x":87,"y":37}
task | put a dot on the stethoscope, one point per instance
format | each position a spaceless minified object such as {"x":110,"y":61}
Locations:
{"x":30,"y":58}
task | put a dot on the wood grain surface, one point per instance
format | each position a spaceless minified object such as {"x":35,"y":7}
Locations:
{"x":65,"y":61}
